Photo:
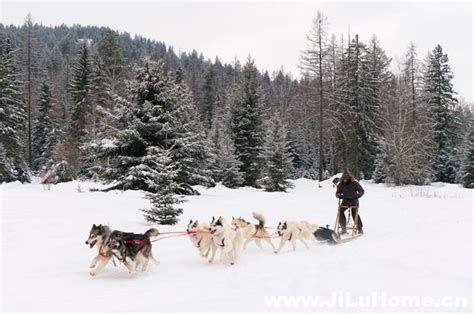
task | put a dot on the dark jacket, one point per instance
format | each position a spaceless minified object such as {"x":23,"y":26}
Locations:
{"x":350,"y":192}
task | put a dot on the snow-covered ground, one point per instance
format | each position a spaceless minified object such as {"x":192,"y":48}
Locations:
{"x":417,"y":243}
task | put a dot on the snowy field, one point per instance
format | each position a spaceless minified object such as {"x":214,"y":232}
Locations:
{"x":417,"y":243}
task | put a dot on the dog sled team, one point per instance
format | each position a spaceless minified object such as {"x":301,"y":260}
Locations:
{"x":134,"y":250}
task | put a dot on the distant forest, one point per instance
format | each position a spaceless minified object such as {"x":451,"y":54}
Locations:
{"x":90,"y":102}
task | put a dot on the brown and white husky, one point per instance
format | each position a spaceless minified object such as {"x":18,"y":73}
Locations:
{"x":253,"y":232}
{"x":201,"y":238}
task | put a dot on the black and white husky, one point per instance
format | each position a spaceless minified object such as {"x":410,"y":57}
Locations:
{"x":226,"y":238}
{"x":132,"y":249}
{"x":326,"y":234}
{"x":201,"y":238}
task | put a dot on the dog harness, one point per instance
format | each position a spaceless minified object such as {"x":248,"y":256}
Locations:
{"x":101,"y":253}
{"x":138,"y":243}
{"x":222,"y":244}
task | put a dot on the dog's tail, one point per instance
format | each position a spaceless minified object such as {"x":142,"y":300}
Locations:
{"x":308,"y":229}
{"x":153,"y":232}
{"x":260,"y":218}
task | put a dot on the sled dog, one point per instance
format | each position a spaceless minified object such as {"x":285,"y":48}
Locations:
{"x":294,"y":230}
{"x":201,"y":238}
{"x":326,"y":234}
{"x":134,"y":250}
{"x":99,"y":235}
{"x":226,"y":238}
{"x":253,"y":232}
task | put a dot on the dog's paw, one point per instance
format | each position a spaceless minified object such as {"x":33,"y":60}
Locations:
{"x":276,"y":252}
{"x":92,"y":266}
{"x":92,"y":273}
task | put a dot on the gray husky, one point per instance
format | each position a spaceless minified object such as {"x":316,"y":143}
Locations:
{"x":100,"y":235}
{"x":132,"y":249}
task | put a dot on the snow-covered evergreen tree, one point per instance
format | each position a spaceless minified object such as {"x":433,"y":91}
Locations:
{"x":230,"y":174}
{"x":12,"y":117}
{"x":44,"y":133}
{"x":191,"y":147}
{"x":380,"y":167}
{"x":161,"y":114}
{"x":225,"y":164}
{"x":441,"y":102}
{"x":276,"y":156}
{"x":468,"y":165}
{"x":100,"y":117}
{"x":80,"y":88}
{"x":161,"y":172}
{"x":112,"y":61}
{"x":247,"y":123}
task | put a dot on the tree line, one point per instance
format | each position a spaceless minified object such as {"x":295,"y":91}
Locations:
{"x":132,"y":113}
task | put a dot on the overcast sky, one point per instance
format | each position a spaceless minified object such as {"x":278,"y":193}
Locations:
{"x":273,"y":33}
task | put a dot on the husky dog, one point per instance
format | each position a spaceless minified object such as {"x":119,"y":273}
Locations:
{"x":134,"y":250}
{"x":201,"y":237}
{"x":252,"y":232}
{"x":326,"y":234}
{"x":226,"y":238}
{"x":294,"y":230}
{"x":99,"y":235}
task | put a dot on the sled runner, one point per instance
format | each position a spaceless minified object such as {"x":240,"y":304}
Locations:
{"x":351,"y":221}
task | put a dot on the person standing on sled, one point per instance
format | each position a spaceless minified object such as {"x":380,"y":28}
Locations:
{"x":349,"y":190}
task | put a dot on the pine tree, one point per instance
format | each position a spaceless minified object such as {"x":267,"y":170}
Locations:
{"x":161,"y":114}
{"x":162,"y":175}
{"x":12,"y":117}
{"x":44,"y":132}
{"x":411,"y":75}
{"x":440,"y":101}
{"x":80,"y":88}
{"x":276,"y":156}
{"x":209,"y":95}
{"x":380,"y":171}
{"x":230,"y":174}
{"x":112,"y":61}
{"x":468,"y":167}
{"x":247,"y":123}
{"x":100,"y":118}
{"x":359,"y":101}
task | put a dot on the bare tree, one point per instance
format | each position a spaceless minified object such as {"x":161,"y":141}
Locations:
{"x":312,"y":63}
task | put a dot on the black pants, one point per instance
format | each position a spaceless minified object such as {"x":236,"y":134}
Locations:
{"x":342,"y":217}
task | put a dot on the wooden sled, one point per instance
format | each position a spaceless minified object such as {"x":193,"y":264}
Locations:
{"x":351,"y":223}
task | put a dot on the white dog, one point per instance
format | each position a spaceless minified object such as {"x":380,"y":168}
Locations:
{"x":201,"y":237}
{"x":251,"y":232}
{"x":226,"y":238}
{"x":295,"y":230}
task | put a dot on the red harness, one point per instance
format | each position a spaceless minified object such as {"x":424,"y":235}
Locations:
{"x":101,"y":253}
{"x":138,"y":243}
{"x":222,"y":244}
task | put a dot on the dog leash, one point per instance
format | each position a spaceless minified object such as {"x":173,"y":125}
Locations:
{"x":174,"y":234}
{"x":275,"y":235}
